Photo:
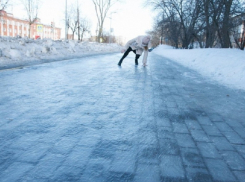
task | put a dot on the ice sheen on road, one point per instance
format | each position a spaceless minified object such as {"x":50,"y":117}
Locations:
{"x":226,"y":66}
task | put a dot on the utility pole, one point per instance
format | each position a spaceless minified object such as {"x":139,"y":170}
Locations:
{"x":78,"y":21}
{"x":162,"y":29}
{"x":111,"y":30}
{"x":66,"y":31}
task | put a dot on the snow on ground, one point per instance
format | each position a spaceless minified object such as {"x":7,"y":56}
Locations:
{"x":20,"y":51}
{"x":226,"y":66}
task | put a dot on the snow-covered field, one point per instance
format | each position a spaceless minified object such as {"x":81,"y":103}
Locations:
{"x":226,"y":66}
{"x":21,"y":51}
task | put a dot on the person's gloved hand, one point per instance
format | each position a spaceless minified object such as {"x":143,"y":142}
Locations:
{"x":123,"y":50}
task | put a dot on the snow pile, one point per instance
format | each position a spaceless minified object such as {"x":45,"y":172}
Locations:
{"x":227,"y":66}
{"x":14,"y":50}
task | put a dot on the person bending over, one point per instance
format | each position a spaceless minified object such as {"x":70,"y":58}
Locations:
{"x":138,"y":45}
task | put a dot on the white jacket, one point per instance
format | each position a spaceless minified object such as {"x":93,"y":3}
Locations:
{"x":136,"y":44}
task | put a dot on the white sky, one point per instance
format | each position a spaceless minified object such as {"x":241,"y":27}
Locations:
{"x":130,"y":20}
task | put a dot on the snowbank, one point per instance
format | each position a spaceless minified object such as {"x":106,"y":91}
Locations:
{"x":227,"y":66}
{"x":23,"y":51}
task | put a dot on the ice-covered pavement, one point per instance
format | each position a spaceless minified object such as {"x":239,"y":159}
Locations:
{"x":225,"y":66}
{"x":89,"y":120}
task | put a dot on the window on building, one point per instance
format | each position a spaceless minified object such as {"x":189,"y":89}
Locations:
{"x":10,"y":30}
{"x":4,"y":29}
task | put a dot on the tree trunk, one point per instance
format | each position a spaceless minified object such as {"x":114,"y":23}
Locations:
{"x":100,"y":31}
{"x":82,"y":35}
{"x":225,"y":27}
{"x":73,"y":34}
{"x":29,"y":31}
{"x":208,"y":29}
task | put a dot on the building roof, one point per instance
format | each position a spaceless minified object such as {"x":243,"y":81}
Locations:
{"x":38,"y":20}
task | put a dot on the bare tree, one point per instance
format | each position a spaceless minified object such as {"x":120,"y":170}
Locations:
{"x":231,"y":9}
{"x":189,"y":13}
{"x":72,"y":22}
{"x":31,"y":7}
{"x":101,"y":8}
{"x":84,"y":26}
{"x":218,"y":14}
{"x":210,"y":29}
{"x":182,"y":15}
{"x":206,"y":21}
{"x":223,"y":30}
{"x":4,"y":4}
{"x":77,"y":23}
{"x":166,"y":23}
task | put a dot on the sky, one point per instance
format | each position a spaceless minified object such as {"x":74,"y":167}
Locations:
{"x":129,"y":18}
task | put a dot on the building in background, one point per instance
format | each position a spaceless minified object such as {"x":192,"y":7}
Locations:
{"x":11,"y":26}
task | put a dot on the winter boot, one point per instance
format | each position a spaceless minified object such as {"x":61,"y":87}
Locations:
{"x":136,"y":62}
{"x":120,"y":62}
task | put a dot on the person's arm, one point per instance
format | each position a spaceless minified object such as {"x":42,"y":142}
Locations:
{"x":150,"y":47}
{"x":144,"y":61}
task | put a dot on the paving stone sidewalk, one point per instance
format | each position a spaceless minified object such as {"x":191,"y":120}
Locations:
{"x":89,"y":120}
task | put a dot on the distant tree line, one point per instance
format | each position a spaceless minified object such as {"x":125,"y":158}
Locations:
{"x":208,"y":22}
{"x":76,"y":22}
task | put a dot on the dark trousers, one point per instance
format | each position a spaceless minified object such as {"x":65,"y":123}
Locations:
{"x":126,"y":53}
